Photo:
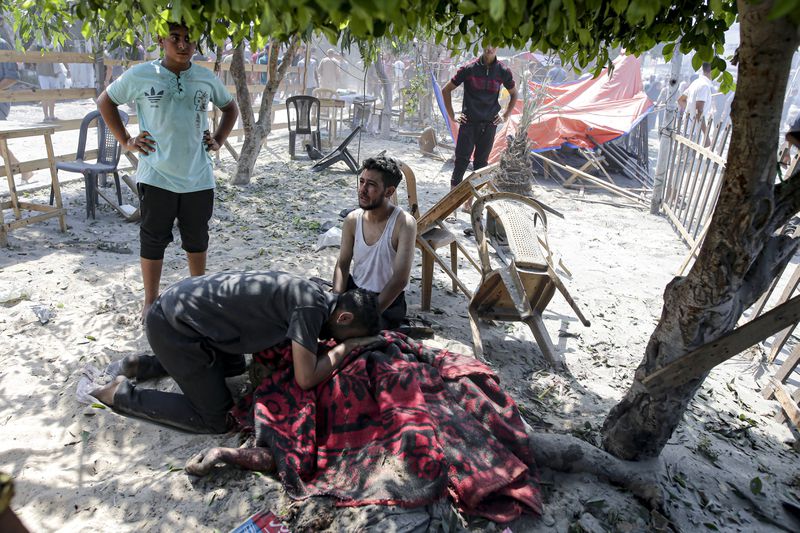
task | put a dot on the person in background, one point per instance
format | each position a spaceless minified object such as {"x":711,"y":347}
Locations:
{"x":9,"y":74}
{"x":312,"y":76}
{"x":480,"y":115}
{"x":377,"y":247}
{"x":329,"y":70}
{"x":175,"y":177}
{"x":49,"y":79}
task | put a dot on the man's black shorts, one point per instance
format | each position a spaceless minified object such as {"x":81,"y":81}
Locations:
{"x":160,"y":208}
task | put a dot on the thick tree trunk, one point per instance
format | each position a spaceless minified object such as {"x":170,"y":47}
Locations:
{"x":386,"y":89}
{"x":256,"y":131}
{"x":741,"y":253}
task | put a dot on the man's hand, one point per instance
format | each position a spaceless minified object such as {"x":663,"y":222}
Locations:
{"x":143,"y":144}
{"x":499,"y":119}
{"x":462,"y":118}
{"x":211,"y":142}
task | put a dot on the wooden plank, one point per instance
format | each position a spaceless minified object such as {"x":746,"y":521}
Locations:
{"x":457,"y":196}
{"x":697,"y":192}
{"x":783,"y":336}
{"x":679,"y":160}
{"x":56,"y":186}
{"x":588,"y":177}
{"x":787,"y":403}
{"x":672,"y":158}
{"x":248,"y":67}
{"x":784,"y":371}
{"x":758,"y":307}
{"x":687,"y":164}
{"x":48,"y":95}
{"x":14,"y":224}
{"x":572,"y":177}
{"x":693,"y":250}
{"x":422,"y":243}
{"x":44,"y":56}
{"x":39,"y":164}
{"x":701,"y":360}
{"x":677,"y":223}
{"x":251,"y":88}
{"x":710,"y":203}
{"x":700,"y":149}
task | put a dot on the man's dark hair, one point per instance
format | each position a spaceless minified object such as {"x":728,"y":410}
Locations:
{"x":364,"y":306}
{"x":388,"y":168}
{"x":706,"y":68}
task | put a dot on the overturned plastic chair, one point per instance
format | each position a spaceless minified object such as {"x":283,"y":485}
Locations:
{"x":306,"y":120}
{"x":521,"y":289}
{"x":340,"y":154}
{"x":108,"y":154}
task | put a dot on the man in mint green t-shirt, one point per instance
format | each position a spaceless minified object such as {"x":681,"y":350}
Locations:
{"x":175,"y":177}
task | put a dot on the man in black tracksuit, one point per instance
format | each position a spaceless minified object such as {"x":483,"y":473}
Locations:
{"x":480,"y":112}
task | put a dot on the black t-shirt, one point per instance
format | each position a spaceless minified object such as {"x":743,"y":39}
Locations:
{"x":244,"y":312}
{"x":481,"y":88}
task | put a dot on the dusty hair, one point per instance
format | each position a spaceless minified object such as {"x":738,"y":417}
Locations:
{"x":364,"y":306}
{"x":388,"y":168}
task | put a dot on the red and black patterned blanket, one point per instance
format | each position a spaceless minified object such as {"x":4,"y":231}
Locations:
{"x":400,"y":425}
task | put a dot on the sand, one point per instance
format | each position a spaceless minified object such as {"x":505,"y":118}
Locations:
{"x":80,"y":468}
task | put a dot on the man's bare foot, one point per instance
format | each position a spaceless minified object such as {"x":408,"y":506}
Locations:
{"x":256,"y":459}
{"x":200,"y":464}
{"x":127,"y":366}
{"x":105,"y":394}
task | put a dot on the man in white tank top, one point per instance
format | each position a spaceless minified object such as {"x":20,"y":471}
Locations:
{"x":378,"y":242}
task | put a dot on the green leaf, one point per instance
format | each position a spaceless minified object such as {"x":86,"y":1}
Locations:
{"x":497,"y":9}
{"x":697,"y":61}
{"x":99,"y":406}
{"x":553,"y":17}
{"x":90,"y":337}
{"x":572,"y":16}
{"x":667,"y":50}
{"x":756,"y":485}
{"x":467,"y":8}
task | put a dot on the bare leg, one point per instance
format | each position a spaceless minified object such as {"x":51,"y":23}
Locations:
{"x":197,"y":263}
{"x":257,"y":459}
{"x":151,"y":278}
{"x":105,"y":394}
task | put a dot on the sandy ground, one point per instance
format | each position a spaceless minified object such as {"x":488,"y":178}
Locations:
{"x":80,"y":468}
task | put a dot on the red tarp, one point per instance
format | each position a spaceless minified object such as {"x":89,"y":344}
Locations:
{"x":603,"y":107}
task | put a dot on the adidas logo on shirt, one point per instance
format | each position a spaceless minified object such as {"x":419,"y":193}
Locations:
{"x":153,"y":96}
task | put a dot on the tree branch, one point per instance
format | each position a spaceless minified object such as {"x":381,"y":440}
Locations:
{"x":242,"y":92}
{"x":787,"y":200}
{"x":775,"y":254}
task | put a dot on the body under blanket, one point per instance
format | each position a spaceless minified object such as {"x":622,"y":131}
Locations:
{"x":403,"y":424}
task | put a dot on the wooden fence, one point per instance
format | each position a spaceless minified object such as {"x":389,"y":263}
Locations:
{"x":696,"y":164}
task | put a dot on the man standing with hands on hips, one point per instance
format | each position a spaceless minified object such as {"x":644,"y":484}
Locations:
{"x":174,"y":175}
{"x":483,"y":78}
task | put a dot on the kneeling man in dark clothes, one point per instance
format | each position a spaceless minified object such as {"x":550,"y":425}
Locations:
{"x":200,"y":328}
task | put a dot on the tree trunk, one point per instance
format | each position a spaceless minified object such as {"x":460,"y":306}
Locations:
{"x":255,"y":132}
{"x":741,"y":253}
{"x":386,"y":86}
